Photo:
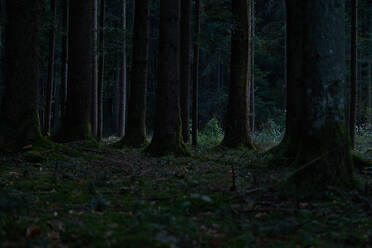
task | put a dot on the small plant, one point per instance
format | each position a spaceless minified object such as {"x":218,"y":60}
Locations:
{"x":270,"y":134}
{"x":212,"y":132}
{"x":363,"y":137}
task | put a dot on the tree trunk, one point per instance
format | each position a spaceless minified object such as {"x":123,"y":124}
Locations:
{"x":354,"y":70}
{"x":64,"y":58}
{"x":167,"y":133}
{"x":50,"y":82}
{"x":287,"y":149}
{"x":136,"y":123}
{"x":186,"y":6}
{"x":369,"y":92}
{"x":95,"y":70}
{"x":195,"y":88}
{"x":77,"y":123}
{"x":253,"y":21}
{"x":19,"y":120}
{"x":237,"y":130}
{"x":101,"y":70}
{"x":323,"y":157}
{"x":123,"y":74}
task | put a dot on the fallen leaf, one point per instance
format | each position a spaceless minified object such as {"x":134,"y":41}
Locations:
{"x":53,"y":235}
{"x":33,"y":232}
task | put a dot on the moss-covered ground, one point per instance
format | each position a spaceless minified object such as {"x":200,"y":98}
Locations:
{"x":84,"y":195}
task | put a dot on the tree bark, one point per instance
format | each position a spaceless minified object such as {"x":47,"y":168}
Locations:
{"x":123,"y":74}
{"x":369,"y":92}
{"x":186,"y":6}
{"x":64,"y":57}
{"x":324,"y":146}
{"x":167,"y":133}
{"x":101,"y":70}
{"x":237,"y":130}
{"x":287,"y":149}
{"x":95,"y":70}
{"x":77,"y":122}
{"x":19,"y":119}
{"x":50,"y":82}
{"x":253,"y":21}
{"x":354,"y":70}
{"x":195,"y":88}
{"x":136,"y":123}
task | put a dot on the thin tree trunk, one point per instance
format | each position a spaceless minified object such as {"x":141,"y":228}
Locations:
{"x":135,"y":135}
{"x":195,"y":95}
{"x":123,"y":74}
{"x":95,"y":70}
{"x":19,"y":119}
{"x":354,"y":70}
{"x":101,"y":74}
{"x":116,"y":96}
{"x":50,"y":82}
{"x":237,"y":130}
{"x":186,"y":8}
{"x":64,"y":57}
{"x":168,"y":133}
{"x":369,"y":92}
{"x":253,"y":21}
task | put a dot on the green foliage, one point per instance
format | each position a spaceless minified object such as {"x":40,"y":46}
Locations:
{"x":212,"y":132}
{"x":270,"y":134}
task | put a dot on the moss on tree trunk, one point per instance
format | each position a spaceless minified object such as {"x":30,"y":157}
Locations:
{"x":329,"y":148}
{"x":323,"y":156}
{"x":167,"y":133}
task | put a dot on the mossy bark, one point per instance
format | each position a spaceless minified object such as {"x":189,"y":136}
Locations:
{"x":169,"y":144}
{"x":19,"y":120}
{"x":324,"y":145}
{"x":135,"y":135}
{"x":167,"y":133}
{"x":76,"y":124}
{"x":237,"y":130}
{"x":329,"y":147}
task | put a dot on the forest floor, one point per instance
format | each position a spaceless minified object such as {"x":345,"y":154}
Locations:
{"x":79,"y":195}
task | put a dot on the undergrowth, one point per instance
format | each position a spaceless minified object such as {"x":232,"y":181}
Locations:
{"x":89,"y":195}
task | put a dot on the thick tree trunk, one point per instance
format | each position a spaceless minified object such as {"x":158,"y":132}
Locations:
{"x":64,"y":57}
{"x":135,"y":135}
{"x":95,"y":70}
{"x":77,"y":122}
{"x":186,"y":6}
{"x":19,"y":119}
{"x":101,"y":70}
{"x":123,"y":74}
{"x":237,"y":130}
{"x":50,"y":82}
{"x":354,"y":70}
{"x":323,"y":155}
{"x":167,"y":133}
{"x":195,"y":88}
